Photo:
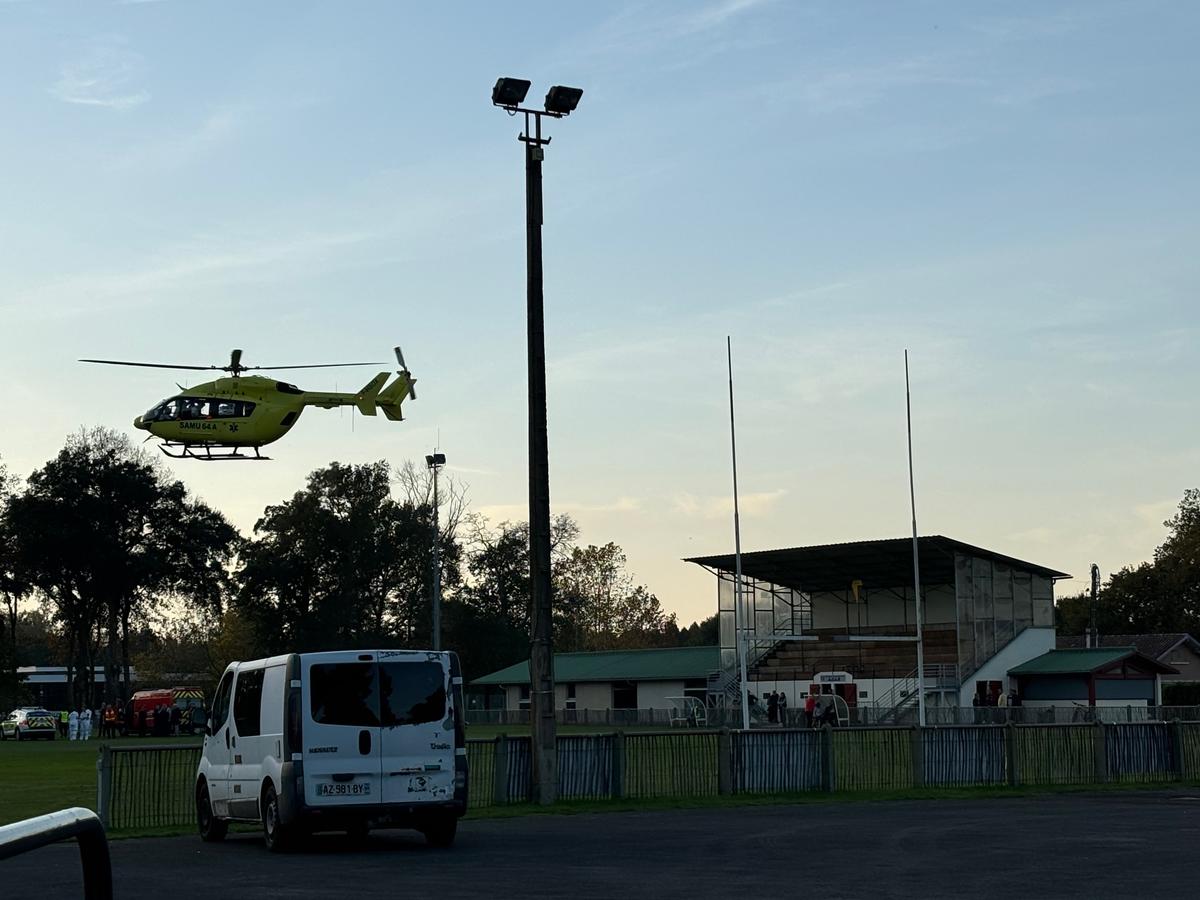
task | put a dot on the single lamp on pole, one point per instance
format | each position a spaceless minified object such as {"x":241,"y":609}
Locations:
{"x":435,"y":461}
{"x":509,"y":94}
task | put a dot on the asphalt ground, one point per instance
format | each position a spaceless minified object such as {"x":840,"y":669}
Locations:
{"x":1118,"y":844}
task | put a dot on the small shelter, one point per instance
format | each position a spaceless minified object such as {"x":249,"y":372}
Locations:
{"x":1099,"y":676}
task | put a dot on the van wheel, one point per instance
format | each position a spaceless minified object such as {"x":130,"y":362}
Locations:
{"x":440,"y":832}
{"x":276,"y":836}
{"x":211,"y":828}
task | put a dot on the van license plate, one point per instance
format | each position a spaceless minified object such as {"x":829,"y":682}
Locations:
{"x":348,"y":789}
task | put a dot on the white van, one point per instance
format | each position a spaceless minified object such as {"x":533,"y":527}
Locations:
{"x":347,"y":740}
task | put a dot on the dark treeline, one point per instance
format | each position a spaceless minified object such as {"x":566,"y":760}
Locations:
{"x":107,"y":560}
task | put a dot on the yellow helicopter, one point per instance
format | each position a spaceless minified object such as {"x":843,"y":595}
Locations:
{"x":220,"y":419}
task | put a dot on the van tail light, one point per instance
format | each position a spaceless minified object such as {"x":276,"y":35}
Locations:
{"x":295,"y":736}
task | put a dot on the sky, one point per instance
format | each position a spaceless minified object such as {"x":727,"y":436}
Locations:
{"x":1009,"y":191}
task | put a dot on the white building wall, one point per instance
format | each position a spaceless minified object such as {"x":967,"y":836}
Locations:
{"x":1025,"y":646}
{"x":593,"y":695}
{"x":512,"y":696}
{"x":654,"y":694}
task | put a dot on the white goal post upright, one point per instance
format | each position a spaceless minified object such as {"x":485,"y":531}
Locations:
{"x":739,"y":626}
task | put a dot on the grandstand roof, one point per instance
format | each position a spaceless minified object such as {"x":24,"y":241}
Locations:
{"x":669,"y":664}
{"x":882,"y":563}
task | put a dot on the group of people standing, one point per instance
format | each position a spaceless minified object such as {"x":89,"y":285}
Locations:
{"x":112,"y":721}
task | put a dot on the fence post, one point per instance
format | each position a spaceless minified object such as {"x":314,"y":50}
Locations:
{"x":828,"y":776}
{"x":1100,"y":752}
{"x":616,"y":785}
{"x":917,"y":745}
{"x":500,"y":770}
{"x":724,"y":762}
{"x":1176,"y":732}
{"x":104,"y":785}
{"x":1010,"y":754}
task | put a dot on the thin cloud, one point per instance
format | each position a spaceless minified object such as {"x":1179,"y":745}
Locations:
{"x":750,"y":505}
{"x":107,"y":75}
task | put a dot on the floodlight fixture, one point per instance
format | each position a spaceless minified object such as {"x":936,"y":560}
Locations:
{"x":562,"y":100}
{"x":435,"y":459}
{"x":510,"y":92}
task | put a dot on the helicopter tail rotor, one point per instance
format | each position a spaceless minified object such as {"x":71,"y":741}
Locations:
{"x":404,"y":373}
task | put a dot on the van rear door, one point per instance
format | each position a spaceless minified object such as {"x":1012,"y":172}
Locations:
{"x":341,"y":729}
{"x":417,"y":726}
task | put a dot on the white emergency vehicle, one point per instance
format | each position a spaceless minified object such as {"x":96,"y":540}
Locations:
{"x":346,"y":740}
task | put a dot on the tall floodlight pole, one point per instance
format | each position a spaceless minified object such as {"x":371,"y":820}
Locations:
{"x":435,"y":461}
{"x":738,"y":624}
{"x":509,"y":94}
{"x":912,"y":496}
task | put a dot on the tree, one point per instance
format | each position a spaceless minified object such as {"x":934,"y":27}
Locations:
{"x":103,"y":533}
{"x":599,"y":607}
{"x":11,"y":592}
{"x":704,"y":633}
{"x":343,"y":564}
{"x":1162,"y":595}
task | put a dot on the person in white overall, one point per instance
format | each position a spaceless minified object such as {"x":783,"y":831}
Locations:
{"x":85,"y":724}
{"x":73,"y":726}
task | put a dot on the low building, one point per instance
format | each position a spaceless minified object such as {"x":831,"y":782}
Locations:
{"x":1098,"y":676}
{"x":1178,"y":650}
{"x":614,"y":679}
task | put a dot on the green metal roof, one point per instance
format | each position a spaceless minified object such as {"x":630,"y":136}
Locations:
{"x":669,"y":664}
{"x":1083,"y":661}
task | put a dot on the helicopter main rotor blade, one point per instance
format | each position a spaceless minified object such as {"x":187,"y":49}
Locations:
{"x":121,"y":362}
{"x":315,"y":366}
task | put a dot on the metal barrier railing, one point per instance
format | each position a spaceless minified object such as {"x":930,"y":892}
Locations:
{"x":147,"y":786}
{"x":81,"y":824}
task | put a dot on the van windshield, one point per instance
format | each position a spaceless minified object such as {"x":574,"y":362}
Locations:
{"x":412,"y":692}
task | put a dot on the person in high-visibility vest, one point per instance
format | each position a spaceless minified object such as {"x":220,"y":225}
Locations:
{"x":62,"y":722}
{"x":110,"y":721}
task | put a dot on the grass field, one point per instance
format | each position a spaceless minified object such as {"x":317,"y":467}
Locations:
{"x":38,"y":777}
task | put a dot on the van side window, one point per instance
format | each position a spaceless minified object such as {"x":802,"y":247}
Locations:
{"x":412,"y":692}
{"x":247,"y":702}
{"x":220,"y":707}
{"x":345,"y":694}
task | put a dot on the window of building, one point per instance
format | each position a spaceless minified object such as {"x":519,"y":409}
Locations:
{"x":570,"y":696}
{"x":624,"y":695}
{"x":523,"y":700}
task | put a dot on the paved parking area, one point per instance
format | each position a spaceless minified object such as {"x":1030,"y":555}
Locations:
{"x":1116,"y":844}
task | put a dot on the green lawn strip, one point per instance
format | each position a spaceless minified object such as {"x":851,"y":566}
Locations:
{"x":38,"y":777}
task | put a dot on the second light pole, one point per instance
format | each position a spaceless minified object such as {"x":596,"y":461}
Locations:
{"x":435,"y":461}
{"x":509,"y":94}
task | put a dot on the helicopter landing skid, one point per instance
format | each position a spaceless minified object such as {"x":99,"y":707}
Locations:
{"x":204,"y":452}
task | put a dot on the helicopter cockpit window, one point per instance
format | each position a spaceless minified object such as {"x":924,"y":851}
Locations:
{"x":167,"y":411}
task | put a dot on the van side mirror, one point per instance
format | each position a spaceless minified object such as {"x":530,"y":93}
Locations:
{"x":208,"y":727}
